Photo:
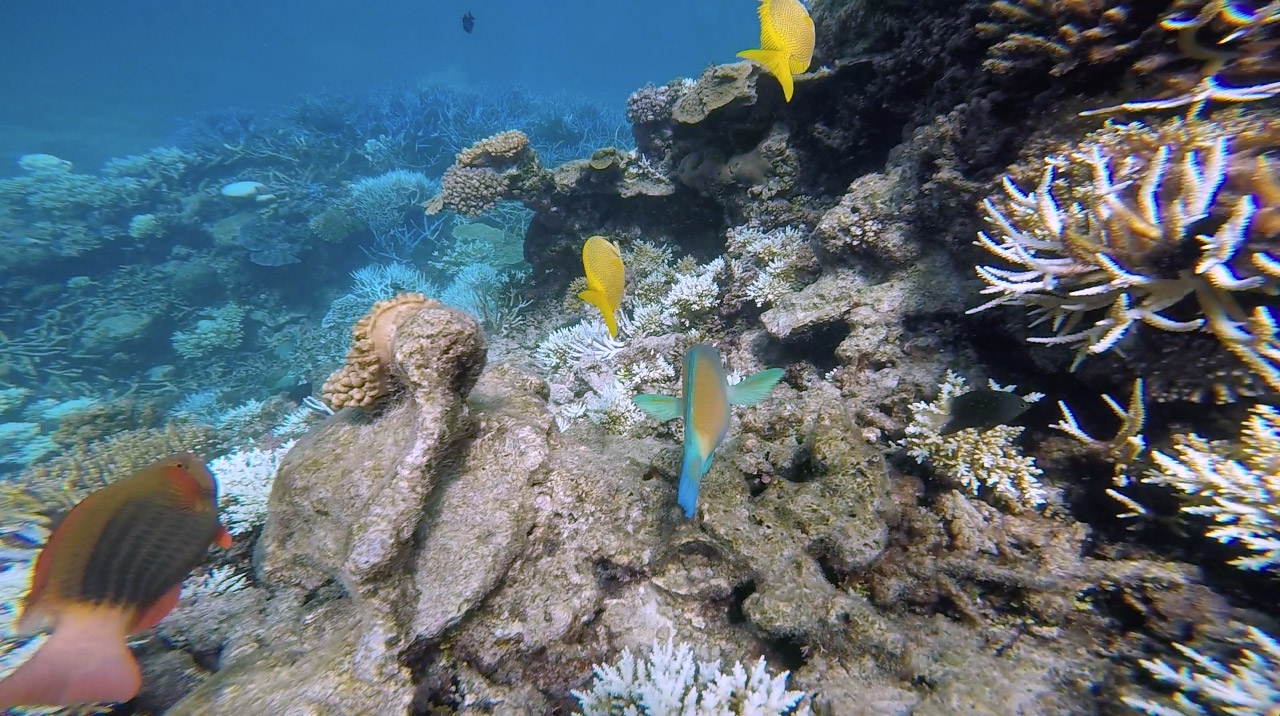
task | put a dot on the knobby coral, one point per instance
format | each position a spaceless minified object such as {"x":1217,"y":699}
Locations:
{"x":1133,"y":219}
{"x":365,"y":377}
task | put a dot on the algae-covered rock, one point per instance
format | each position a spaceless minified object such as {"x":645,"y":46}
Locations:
{"x":346,"y":504}
{"x":343,"y":513}
{"x":483,"y":514}
{"x":718,"y":86}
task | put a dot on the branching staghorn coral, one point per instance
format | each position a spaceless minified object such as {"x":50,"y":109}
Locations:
{"x":775,"y":257}
{"x":1133,"y":219}
{"x":672,"y":681}
{"x":1246,"y":686}
{"x":1068,"y":32}
{"x":977,"y":459}
{"x":1198,"y":50}
{"x":1238,"y":487}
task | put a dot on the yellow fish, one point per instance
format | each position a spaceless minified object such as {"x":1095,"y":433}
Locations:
{"x":786,"y":41}
{"x":704,"y":402}
{"x":602,"y":262}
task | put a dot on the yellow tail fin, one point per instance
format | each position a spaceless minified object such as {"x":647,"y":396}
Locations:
{"x":600,"y":301}
{"x":778,"y":65}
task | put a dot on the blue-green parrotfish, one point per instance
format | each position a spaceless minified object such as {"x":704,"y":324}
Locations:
{"x":704,"y":402}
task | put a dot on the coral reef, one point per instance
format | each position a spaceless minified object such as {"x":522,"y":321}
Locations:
{"x":1111,"y":237}
{"x":476,"y":518}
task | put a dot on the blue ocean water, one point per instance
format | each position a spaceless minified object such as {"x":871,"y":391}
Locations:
{"x":90,"y":81}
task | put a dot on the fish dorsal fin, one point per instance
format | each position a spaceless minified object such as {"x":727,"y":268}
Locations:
{"x":794,"y":27}
{"x":770,"y":38}
{"x":755,"y":387}
{"x":659,"y":407}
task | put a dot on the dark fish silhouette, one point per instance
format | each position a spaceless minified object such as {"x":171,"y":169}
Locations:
{"x":983,"y":408}
{"x":468,"y":22}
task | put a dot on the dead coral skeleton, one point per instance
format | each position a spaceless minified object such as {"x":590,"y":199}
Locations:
{"x":1140,"y":196}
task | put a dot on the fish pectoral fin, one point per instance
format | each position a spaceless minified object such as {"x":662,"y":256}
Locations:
{"x":601,"y":302}
{"x":659,"y":407}
{"x":152,"y":613}
{"x":778,"y":65}
{"x":754,"y":388}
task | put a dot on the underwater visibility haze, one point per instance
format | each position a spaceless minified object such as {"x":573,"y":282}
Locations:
{"x":842,"y":357}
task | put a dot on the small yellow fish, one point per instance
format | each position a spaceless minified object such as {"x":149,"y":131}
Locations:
{"x":786,"y":41}
{"x":602,"y":262}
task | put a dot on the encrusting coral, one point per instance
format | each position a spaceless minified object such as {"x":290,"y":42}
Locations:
{"x":1132,"y":220}
{"x":365,"y":377}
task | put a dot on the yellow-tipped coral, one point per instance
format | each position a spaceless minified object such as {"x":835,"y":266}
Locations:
{"x":1132,"y":221}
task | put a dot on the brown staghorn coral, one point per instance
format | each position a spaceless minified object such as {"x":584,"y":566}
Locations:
{"x":1133,"y":219}
{"x":1196,"y":50}
{"x":58,"y":484}
{"x":1068,"y":32}
{"x":365,"y":377}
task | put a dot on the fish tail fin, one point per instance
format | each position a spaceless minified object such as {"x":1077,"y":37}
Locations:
{"x":600,"y":301}
{"x":85,"y":660}
{"x":693,"y":467}
{"x":778,"y":65}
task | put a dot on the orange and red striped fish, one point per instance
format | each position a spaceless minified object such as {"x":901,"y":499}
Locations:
{"x":112,"y":567}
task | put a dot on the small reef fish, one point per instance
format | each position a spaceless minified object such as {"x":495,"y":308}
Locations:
{"x":983,"y":408}
{"x":786,"y":41}
{"x":112,"y":567}
{"x":704,"y":402}
{"x":602,"y":262}
{"x":468,"y":22}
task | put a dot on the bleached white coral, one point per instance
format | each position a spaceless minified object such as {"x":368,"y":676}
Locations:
{"x":566,"y":346}
{"x":244,"y":480}
{"x":976,"y":459}
{"x":1248,"y":686}
{"x":672,"y":683}
{"x":779,"y":255}
{"x":609,"y":405}
{"x":1241,"y":496}
{"x":693,"y":294}
{"x":219,"y":580}
{"x":222,"y":328}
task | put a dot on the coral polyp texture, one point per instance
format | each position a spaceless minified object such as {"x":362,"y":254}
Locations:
{"x":365,"y":376}
{"x":484,"y":173}
{"x":1173,"y":226}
